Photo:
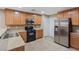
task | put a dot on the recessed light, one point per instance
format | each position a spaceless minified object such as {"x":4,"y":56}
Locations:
{"x":42,"y":12}
{"x":19,"y":7}
{"x":33,"y":10}
{"x":16,"y":12}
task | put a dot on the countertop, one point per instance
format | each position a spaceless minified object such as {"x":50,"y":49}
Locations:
{"x":26,"y":31}
{"x":2,"y":30}
{"x":38,"y":28}
{"x":11,"y":43}
{"x":75,"y":33}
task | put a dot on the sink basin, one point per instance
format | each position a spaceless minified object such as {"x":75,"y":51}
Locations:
{"x":8,"y":35}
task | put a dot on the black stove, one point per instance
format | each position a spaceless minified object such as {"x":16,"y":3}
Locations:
{"x":31,"y":32}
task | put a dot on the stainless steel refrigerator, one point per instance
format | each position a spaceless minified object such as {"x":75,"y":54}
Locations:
{"x":62,"y":29}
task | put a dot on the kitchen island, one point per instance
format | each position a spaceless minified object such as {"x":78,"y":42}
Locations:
{"x":12,"y":44}
{"x":39,"y":34}
{"x":16,"y":43}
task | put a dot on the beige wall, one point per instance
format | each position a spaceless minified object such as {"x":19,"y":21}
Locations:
{"x":46,"y":25}
{"x":2,"y":19}
{"x":52,"y":18}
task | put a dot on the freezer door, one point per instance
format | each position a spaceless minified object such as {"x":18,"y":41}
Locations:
{"x":56,"y":31}
{"x":64,"y":33}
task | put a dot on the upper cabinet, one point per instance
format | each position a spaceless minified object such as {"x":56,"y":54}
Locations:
{"x":37,"y":19}
{"x":60,"y":15}
{"x":18,"y":18}
{"x":9,"y":17}
{"x":23,"y":18}
{"x":66,"y":14}
{"x":73,"y":14}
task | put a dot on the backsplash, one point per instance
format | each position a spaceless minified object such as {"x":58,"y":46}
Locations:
{"x":75,"y":28}
{"x":16,"y":27}
{"x":37,"y":26}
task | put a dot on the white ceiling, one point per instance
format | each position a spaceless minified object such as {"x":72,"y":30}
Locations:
{"x":41,"y":10}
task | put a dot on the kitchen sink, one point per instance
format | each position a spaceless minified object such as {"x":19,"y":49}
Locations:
{"x":9,"y":35}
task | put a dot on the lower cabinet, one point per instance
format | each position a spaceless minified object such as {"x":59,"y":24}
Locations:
{"x":18,"y":49}
{"x":39,"y":34}
{"x":74,"y":41}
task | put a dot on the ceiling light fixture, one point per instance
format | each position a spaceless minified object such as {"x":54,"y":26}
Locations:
{"x":33,"y":10}
{"x":19,"y":7}
{"x":42,"y":12}
{"x":16,"y":12}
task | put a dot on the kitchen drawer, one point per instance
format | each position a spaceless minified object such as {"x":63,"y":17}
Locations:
{"x":74,"y":41}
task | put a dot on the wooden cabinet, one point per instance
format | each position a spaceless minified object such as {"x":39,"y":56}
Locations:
{"x":12,"y":17}
{"x":9,"y":17}
{"x":66,"y":14}
{"x":60,"y":15}
{"x":17,"y":18}
{"x":22,"y":48}
{"x":37,"y":19}
{"x":23,"y":18}
{"x":74,"y":17}
{"x":74,"y":41}
{"x":39,"y":34}
{"x":72,"y":13}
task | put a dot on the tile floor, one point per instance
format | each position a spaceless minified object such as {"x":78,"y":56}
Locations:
{"x":45,"y":44}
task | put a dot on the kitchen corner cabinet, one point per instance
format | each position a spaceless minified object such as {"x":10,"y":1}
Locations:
{"x":60,"y":15}
{"x":37,"y":19}
{"x":66,"y":14}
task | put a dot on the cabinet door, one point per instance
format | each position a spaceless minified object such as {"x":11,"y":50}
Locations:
{"x":9,"y":17}
{"x":74,"y":17}
{"x":17,"y":18}
{"x":23,"y":18}
{"x":37,"y":19}
{"x":60,"y":15}
{"x":28,"y":16}
{"x":74,"y":42}
{"x":39,"y":34}
{"x":66,"y":14}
